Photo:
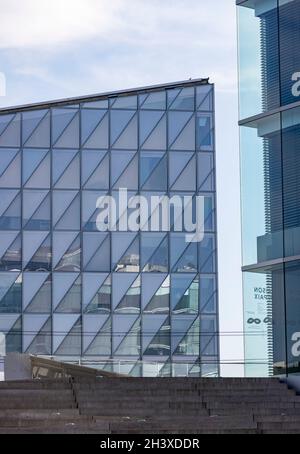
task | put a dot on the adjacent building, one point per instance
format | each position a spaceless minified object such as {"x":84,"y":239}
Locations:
{"x":138,"y":302}
{"x":269,"y":73}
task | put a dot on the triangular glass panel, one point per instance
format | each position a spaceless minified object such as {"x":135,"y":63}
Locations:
{"x":180,"y":330}
{"x":11,"y":175}
{"x":121,"y":284}
{"x":7,"y":157}
{"x":188,"y":262}
{"x":65,"y":210}
{"x":62,"y":283}
{"x":148,"y":122}
{"x":40,"y":178}
{"x":13,"y":338}
{"x":119,"y":120}
{"x":92,"y":247}
{"x":187,"y":138}
{"x":154,"y":100}
{"x":41,"y":344}
{"x":65,"y":128}
{"x":10,"y":251}
{"x":71,"y":218}
{"x":156,"y":253}
{"x":90,"y":119}
{"x":41,"y":302}
{"x":30,"y":122}
{"x":204,"y":95}
{"x":187,"y":179}
{"x":128,"y":138}
{"x":131,"y":301}
{"x":177,"y":122}
{"x":185,"y":293}
{"x":121,"y":326}
{"x":40,"y":137}
{"x":101,"y":344}
{"x":41,"y":259}
{"x":62,"y":325}
{"x":185,"y":100}
{"x":99,"y":138}
{"x":40,"y":218}
{"x":95,"y":169}
{"x":129,"y":259}
{"x":70,"y":179}
{"x":158,"y":138}
{"x":71,"y":344}
{"x":71,"y":302}
{"x":96,"y":293}
{"x":70,"y":260}
{"x":131,"y":344}
{"x":10,"y":134}
{"x":10,"y":292}
{"x":157,"y":180}
{"x":160,"y":302}
{"x":10,"y":209}
{"x":160,"y":343}
{"x":61,"y":159}
{"x":129,"y":177}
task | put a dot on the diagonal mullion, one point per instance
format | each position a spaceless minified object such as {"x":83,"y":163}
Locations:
{"x":10,"y":287}
{"x":10,"y":204}
{"x":37,"y":208}
{"x":187,"y":288}
{"x":67,"y":334}
{"x":184,"y":168}
{"x":95,"y":170}
{"x":125,"y":127}
{"x":159,"y":245}
{"x":68,"y":166}
{"x":38,"y":333}
{"x":154,"y":169}
{"x":36,"y":168}
{"x":101,"y":285}
{"x":66,"y":127}
{"x":97,"y":250}
{"x":179,"y":92}
{"x":207,"y":177}
{"x":65,"y":211}
{"x":184,"y":126}
{"x":10,"y":244}
{"x":94,"y":129}
{"x":127,"y":249}
{"x":97,"y":333}
{"x":152,"y":130}
{"x":180,"y":257}
{"x":209,"y":300}
{"x":8,"y":124}
{"x":126,"y":167}
{"x":36,"y":127}
{"x":10,"y":162}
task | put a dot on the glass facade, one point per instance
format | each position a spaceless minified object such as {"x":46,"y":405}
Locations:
{"x":142,"y":303}
{"x":269,"y":32}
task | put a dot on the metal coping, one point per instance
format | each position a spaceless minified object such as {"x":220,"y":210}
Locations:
{"x":102,"y":96}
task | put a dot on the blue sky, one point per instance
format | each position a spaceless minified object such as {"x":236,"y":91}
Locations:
{"x":52,"y":49}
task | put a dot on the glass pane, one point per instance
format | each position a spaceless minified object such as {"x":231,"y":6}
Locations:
{"x":184,"y":100}
{"x":184,"y":294}
{"x":205,"y":132}
{"x":258,"y":57}
{"x":154,"y":249}
{"x":208,"y":294}
{"x":261,"y":177}
{"x":205,"y":172}
{"x":264,"y":320}
{"x":207,"y":254}
{"x":10,"y":292}
{"x":155,"y":100}
{"x":160,"y":302}
{"x":204,"y":97}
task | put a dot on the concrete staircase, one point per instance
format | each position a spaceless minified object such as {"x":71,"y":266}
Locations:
{"x":149,"y":406}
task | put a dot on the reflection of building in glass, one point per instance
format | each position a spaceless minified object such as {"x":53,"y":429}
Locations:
{"x":269,"y":33}
{"x":145,"y":299}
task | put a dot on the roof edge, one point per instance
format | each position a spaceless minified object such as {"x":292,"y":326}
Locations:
{"x":99,"y":96}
